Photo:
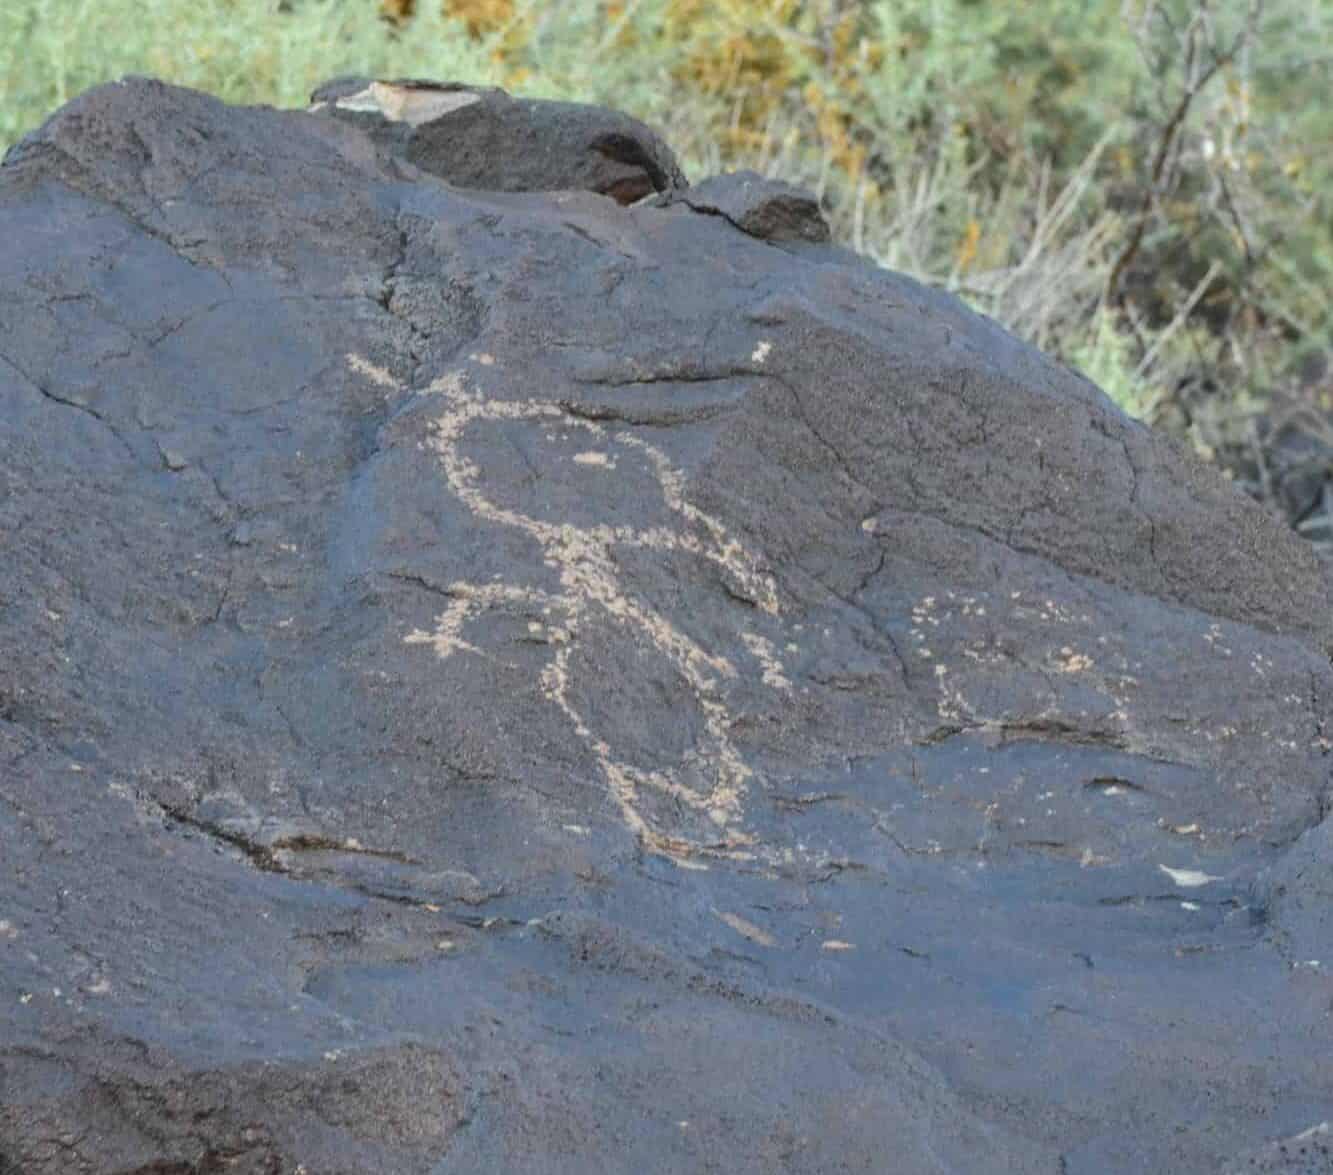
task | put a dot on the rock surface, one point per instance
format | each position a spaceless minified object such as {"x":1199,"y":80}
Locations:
{"x":504,"y":681}
{"x":767,"y":209}
{"x":480,"y":137}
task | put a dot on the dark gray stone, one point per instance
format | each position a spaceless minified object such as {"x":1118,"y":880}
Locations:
{"x":480,"y":137}
{"x":507,"y":682}
{"x":764,"y":208}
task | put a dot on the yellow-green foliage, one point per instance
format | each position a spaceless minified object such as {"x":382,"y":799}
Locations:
{"x":241,"y":50}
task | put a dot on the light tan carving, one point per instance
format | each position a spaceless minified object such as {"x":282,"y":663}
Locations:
{"x":592,"y":592}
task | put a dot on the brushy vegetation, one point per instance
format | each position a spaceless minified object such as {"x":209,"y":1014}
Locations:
{"x":1141,"y":189}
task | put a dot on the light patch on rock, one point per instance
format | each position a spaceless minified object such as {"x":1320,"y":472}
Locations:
{"x":951,"y":705}
{"x":595,"y":457}
{"x":1188,"y":878}
{"x":1069,"y":661}
{"x":761,"y":352}
{"x":379,"y":376}
{"x":747,"y":929}
{"x":413,"y":105}
{"x":761,"y":648}
{"x":1214,"y":639}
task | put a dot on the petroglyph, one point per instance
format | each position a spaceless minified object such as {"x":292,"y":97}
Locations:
{"x":746,"y":928}
{"x":379,"y":376}
{"x":592,"y":592}
{"x":766,"y":655}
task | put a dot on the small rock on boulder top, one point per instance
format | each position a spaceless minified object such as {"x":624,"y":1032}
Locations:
{"x":480,"y":137}
{"x":768,"y":209}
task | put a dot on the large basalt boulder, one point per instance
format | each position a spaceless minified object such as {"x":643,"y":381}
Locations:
{"x":504,"y":681}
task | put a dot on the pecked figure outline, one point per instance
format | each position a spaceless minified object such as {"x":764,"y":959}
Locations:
{"x":589,"y":585}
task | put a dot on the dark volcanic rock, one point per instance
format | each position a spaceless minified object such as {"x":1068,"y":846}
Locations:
{"x":480,"y":137}
{"x":507,"y":682}
{"x":768,"y":209}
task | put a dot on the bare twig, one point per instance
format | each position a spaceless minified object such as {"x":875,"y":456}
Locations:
{"x":1178,"y":321}
{"x":1197,"y":76}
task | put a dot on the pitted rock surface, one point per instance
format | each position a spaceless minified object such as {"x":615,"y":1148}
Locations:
{"x":501,"y":681}
{"x":481,"y":137}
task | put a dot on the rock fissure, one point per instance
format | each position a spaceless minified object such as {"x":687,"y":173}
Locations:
{"x":66,"y":402}
{"x":266,"y":855}
{"x":643,"y":417}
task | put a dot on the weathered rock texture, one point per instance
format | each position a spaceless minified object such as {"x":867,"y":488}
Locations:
{"x":768,"y":209}
{"x":480,"y":137}
{"x":511,"y":682}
